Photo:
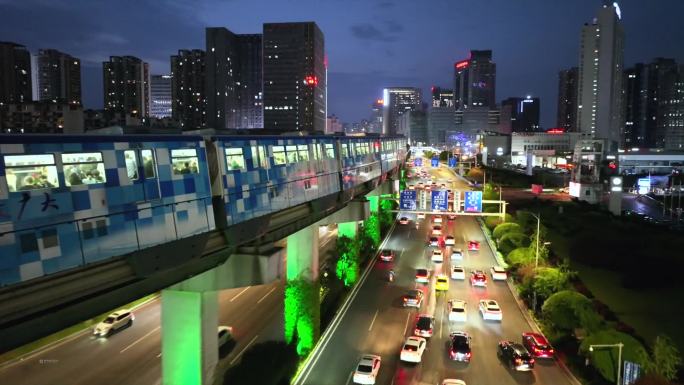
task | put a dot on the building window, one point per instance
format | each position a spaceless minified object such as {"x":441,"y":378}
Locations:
{"x":235,"y":159}
{"x":303,"y":152}
{"x":83,"y":168}
{"x":29,"y":172}
{"x":279,"y":155}
{"x":291,"y":152}
{"x":149,"y":166}
{"x":184,"y":161}
{"x":131,"y":164}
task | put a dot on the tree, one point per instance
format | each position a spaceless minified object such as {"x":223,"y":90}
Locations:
{"x":511,"y":241}
{"x":605,"y":360}
{"x":526,"y":220}
{"x":492,"y":222}
{"x":302,"y":313}
{"x":563,"y":309}
{"x":347,"y":267}
{"x":520,"y":257}
{"x":665,"y":360}
{"x":428,"y":154}
{"x":371,"y":229}
{"x":444,"y":155}
{"x":549,"y":280}
{"x":508,"y":227}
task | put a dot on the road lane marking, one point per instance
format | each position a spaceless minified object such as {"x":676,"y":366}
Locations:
{"x":243,"y":349}
{"x":266,"y":295}
{"x":350,"y":377}
{"x":159,"y":355}
{"x":373,"y":321}
{"x":239,"y":294}
{"x":407,"y":320}
{"x":140,"y":339}
{"x":402,"y":252}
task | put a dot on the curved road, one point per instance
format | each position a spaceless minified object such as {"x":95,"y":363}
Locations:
{"x":376,"y":323}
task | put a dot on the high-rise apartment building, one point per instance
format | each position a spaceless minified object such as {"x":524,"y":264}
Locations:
{"x":189,"y":103}
{"x":58,"y":77}
{"x":520,"y":115}
{"x":15,"y":73}
{"x":233,"y":79}
{"x":126,"y":86}
{"x":397,"y":101}
{"x":376,"y":117}
{"x":294,"y":77}
{"x":160,"y":96}
{"x":475,"y":81}
{"x":414,"y":125}
{"x":654,"y":105}
{"x":599,"y":106}
{"x":567,"y":100}
{"x":442,"y":97}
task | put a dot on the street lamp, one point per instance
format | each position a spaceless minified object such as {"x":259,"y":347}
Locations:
{"x":619,"y":346}
{"x":536,"y":261}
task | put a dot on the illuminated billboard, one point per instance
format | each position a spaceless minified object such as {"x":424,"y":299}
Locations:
{"x":574,"y":189}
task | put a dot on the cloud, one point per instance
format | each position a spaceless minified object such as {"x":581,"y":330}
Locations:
{"x":393,"y":26}
{"x":367,"y":31}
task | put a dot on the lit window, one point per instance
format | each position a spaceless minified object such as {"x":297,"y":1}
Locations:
{"x":303,"y":151}
{"x":149,"y":167}
{"x":279,"y":155}
{"x":30,"y":172}
{"x":184,"y":161}
{"x":131,"y":164}
{"x":235,"y":159}
{"x":83,"y":168}
{"x":329,"y":151}
{"x":291,"y":152}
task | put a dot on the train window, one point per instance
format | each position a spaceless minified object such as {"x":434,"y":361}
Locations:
{"x":330,"y":150}
{"x":317,"y":151}
{"x":263,"y":160}
{"x":184,"y":161}
{"x":279,"y":155}
{"x":345,"y":150}
{"x":29,"y":172}
{"x":291,"y":152}
{"x":131,"y":164}
{"x":148,"y":163}
{"x":235,"y":159}
{"x":303,"y":151}
{"x":83,"y":168}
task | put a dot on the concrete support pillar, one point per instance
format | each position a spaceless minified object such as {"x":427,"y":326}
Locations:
{"x":374,"y":203}
{"x":347,"y":229}
{"x":189,"y":337}
{"x":302,"y":254}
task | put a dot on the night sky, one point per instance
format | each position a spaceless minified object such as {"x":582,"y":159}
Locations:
{"x":371,"y":44}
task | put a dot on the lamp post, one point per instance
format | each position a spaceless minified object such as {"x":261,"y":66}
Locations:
{"x":619,"y":346}
{"x":536,"y":261}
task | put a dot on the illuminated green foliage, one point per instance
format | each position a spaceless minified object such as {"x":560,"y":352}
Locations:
{"x":302,"y":314}
{"x":347,"y":268}
{"x":371,"y":228}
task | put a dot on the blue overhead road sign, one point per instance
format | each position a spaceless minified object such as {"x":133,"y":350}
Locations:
{"x":418,"y":162}
{"x":407,"y":200}
{"x":473,"y":202}
{"x":440,"y":200}
{"x":435,"y":161}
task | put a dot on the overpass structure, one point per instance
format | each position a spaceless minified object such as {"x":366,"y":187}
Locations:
{"x":185,"y":215}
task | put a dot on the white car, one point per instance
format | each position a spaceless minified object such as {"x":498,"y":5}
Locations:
{"x":498,"y":273}
{"x":490,"y":310}
{"x":367,"y":369}
{"x":449,"y":240}
{"x":437,"y":219}
{"x":458,"y":272}
{"x":456,"y":254}
{"x":115,"y":321}
{"x":421,"y":215}
{"x":225,"y":334}
{"x":403,"y":221}
{"x":437,"y":255}
{"x":413,"y":349}
{"x":457,"y":310}
{"x":453,"y":381}
{"x":437,"y":230}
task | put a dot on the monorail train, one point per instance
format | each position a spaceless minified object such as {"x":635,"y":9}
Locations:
{"x":67,"y":201}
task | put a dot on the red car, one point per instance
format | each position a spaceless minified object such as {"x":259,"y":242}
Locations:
{"x":537,"y":345}
{"x":386,"y":255}
{"x":473,"y":245}
{"x":478,"y":278}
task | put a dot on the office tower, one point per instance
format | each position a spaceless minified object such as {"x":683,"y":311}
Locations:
{"x":397,"y":101}
{"x":441,"y":117}
{"x":126,"y":86}
{"x":15,"y":73}
{"x":442,"y":97}
{"x":294,"y":77}
{"x":654,"y":106}
{"x":414,"y":125}
{"x":567,"y":99}
{"x":376,"y":116}
{"x":160,"y":96}
{"x":233,"y":79}
{"x":58,"y":77}
{"x":189,"y":103}
{"x":475,"y":81}
{"x":599,"y":105}
{"x":520,"y":115}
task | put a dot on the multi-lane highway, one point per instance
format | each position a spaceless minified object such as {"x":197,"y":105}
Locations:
{"x":376,"y":323}
{"x":133,"y":356}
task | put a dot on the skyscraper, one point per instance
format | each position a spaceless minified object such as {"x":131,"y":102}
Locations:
{"x":294,"y":77}
{"x":475,"y":81}
{"x":58,"y":76}
{"x":397,"y":101}
{"x":442,"y":97}
{"x":376,"y":116}
{"x":567,"y":99}
{"x":189,"y":104}
{"x":233,"y":79}
{"x":521,"y":113}
{"x":126,"y":86}
{"x":160,"y":96}
{"x":635,"y":81}
{"x":441,"y":117}
{"x":15,"y":73}
{"x":599,"y":109}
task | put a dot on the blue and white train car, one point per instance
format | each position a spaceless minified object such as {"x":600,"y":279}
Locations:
{"x":264,"y":174}
{"x":359,"y":160}
{"x":66,"y":201}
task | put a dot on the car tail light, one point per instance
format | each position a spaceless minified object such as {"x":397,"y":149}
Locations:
{"x":531,"y":361}
{"x":452,"y":354}
{"x":468,"y":354}
{"x":417,"y":330}
{"x":550,"y":351}
{"x":518,"y":361}
{"x":405,"y":299}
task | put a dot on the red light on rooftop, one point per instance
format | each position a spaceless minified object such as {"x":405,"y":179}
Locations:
{"x":462,"y":64}
{"x":311,"y":80}
{"x":555,"y":131}
{"x":380,"y":101}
